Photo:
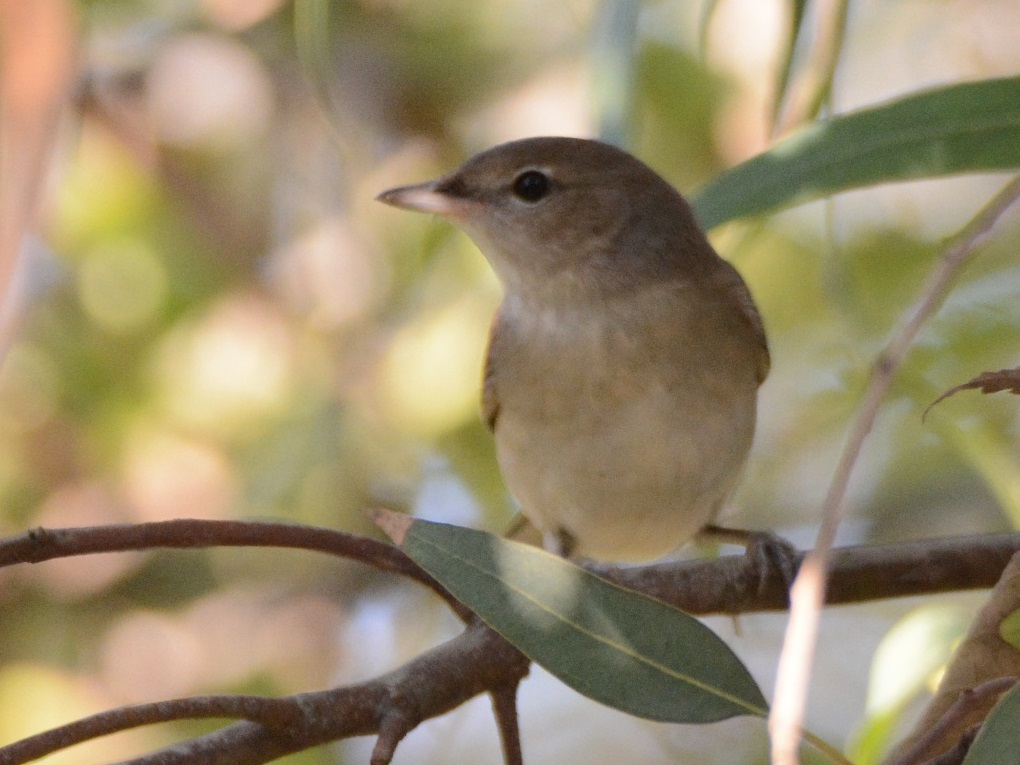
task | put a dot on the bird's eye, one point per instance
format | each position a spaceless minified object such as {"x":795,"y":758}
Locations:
{"x":531,"y":185}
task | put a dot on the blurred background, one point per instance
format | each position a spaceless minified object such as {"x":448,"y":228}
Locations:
{"x":207,"y":315}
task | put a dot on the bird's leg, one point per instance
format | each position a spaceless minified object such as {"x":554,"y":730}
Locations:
{"x":558,"y":541}
{"x":561,"y":542}
{"x":767,"y":553}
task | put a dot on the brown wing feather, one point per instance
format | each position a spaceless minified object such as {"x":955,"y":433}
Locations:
{"x":490,"y":397}
{"x":735,"y":287}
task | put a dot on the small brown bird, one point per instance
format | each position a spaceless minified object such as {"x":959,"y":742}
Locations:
{"x":624,"y":363}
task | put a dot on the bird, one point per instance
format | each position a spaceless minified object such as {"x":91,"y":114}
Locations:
{"x":624,"y":361}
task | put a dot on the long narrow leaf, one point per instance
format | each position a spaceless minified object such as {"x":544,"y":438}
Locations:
{"x":969,"y":127}
{"x":797,"y":13}
{"x":613,"y":645}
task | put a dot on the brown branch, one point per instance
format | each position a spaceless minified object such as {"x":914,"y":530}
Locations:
{"x":478,"y":660}
{"x":958,"y":753}
{"x":926,"y":746}
{"x":394,"y":725}
{"x":432,"y":684}
{"x":731,"y":585}
{"x":504,"y":706}
{"x":273,"y":714}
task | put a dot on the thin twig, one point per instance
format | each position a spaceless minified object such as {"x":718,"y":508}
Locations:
{"x":968,"y":699}
{"x":958,"y":753}
{"x":804,"y":100}
{"x":807,"y":595}
{"x":504,"y":706}
{"x":273,"y":714}
{"x":392,"y":729}
{"x":43,"y":544}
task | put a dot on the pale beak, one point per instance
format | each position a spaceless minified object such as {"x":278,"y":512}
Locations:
{"x":425,"y":197}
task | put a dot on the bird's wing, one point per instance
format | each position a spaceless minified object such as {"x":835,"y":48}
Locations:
{"x":490,"y":396}
{"x":735,"y":287}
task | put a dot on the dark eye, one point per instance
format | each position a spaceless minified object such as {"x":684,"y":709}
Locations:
{"x":531,"y":185}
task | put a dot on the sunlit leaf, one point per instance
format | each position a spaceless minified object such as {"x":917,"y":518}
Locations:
{"x":870,"y":742}
{"x":911,"y":653}
{"x":613,"y":645}
{"x":969,"y":127}
{"x":1009,"y":629}
{"x":999,"y":739}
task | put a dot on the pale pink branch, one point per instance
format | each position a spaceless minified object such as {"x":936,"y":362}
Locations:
{"x":37,"y":66}
{"x":790,"y":698}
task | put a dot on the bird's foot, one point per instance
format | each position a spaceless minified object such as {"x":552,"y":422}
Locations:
{"x":768,"y":555}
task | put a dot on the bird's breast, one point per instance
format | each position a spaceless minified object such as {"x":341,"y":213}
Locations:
{"x":624,"y":430}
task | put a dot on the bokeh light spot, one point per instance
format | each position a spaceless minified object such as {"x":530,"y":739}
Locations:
{"x":148,"y":656}
{"x":240,"y":14}
{"x":225,"y":373}
{"x":83,"y":504}
{"x":166,"y":476}
{"x":29,"y":386}
{"x":122,"y":285}
{"x":208,"y":91}
{"x":431,"y":379}
{"x":34,"y":698}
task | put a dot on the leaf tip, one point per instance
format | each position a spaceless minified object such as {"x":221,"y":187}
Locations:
{"x":394,"y":525}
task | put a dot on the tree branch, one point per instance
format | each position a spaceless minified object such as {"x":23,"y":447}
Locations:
{"x":476,"y":661}
{"x":41,"y":544}
{"x":504,"y":706}
{"x":926,"y":745}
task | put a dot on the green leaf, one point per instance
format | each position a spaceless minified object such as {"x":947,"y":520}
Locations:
{"x":969,"y":127}
{"x":1009,"y":629}
{"x":998,"y":741}
{"x":613,"y":645}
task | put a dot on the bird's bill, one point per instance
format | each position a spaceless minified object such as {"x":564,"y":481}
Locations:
{"x":424,"y":197}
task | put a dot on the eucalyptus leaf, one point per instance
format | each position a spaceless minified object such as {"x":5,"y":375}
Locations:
{"x":998,"y":742}
{"x":613,"y":645}
{"x":963,"y":128}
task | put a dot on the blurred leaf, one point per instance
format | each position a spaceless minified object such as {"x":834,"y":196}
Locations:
{"x":796,"y":14}
{"x":969,"y":127}
{"x":904,"y":666}
{"x":614,"y":42}
{"x":1009,"y":629}
{"x":828,"y":57}
{"x":993,"y":455}
{"x":912,"y":653}
{"x":987,"y":382}
{"x":998,"y":741}
{"x":872,"y":276}
{"x":613,"y":645}
{"x":418,"y":66}
{"x":871,"y":740}
{"x":800,"y":100}
{"x":676,"y":106}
